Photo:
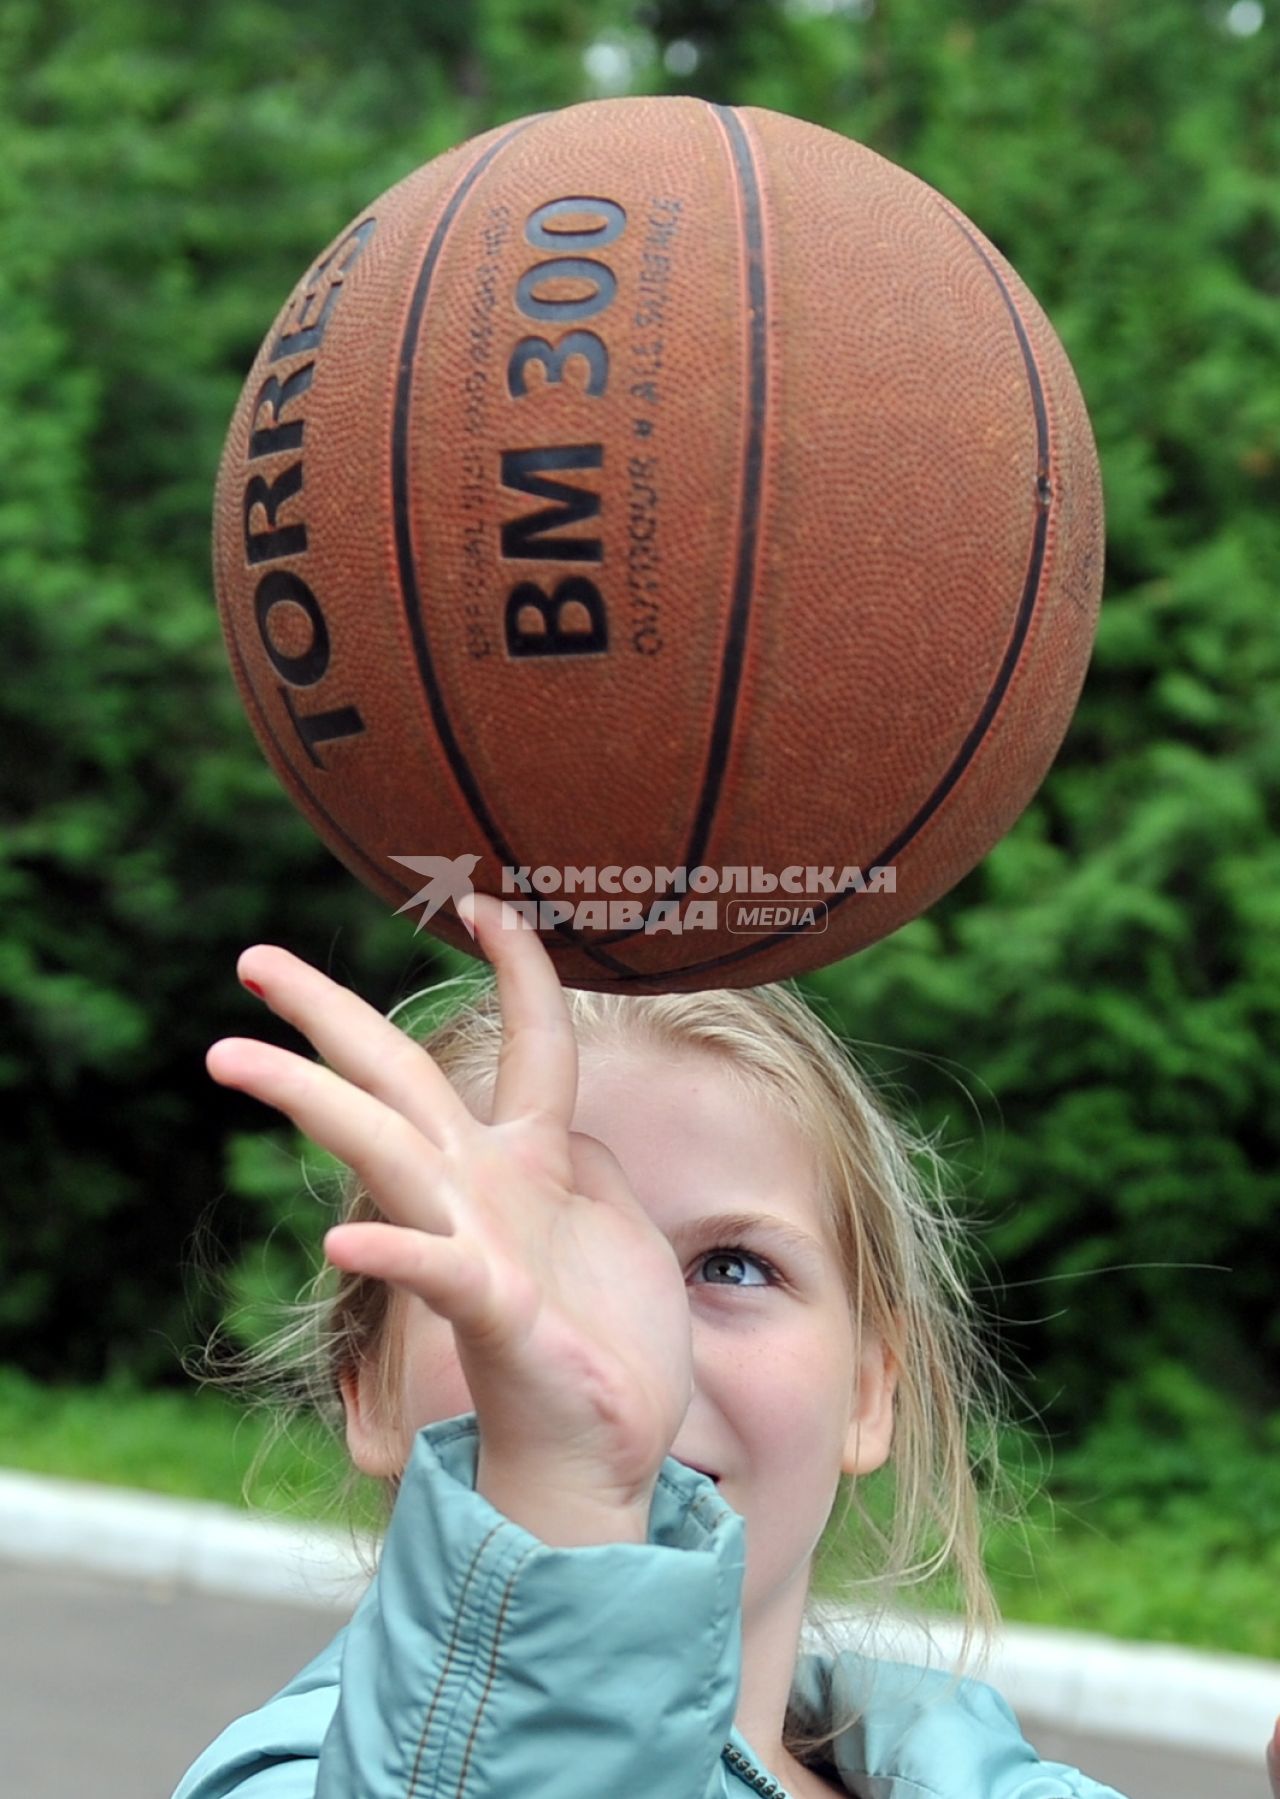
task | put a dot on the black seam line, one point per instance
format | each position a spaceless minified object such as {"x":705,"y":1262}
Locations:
{"x":747,"y":187}
{"x":409,"y":589}
{"x":358,"y":852}
{"x":1022,"y":624}
{"x":752,"y":479}
{"x":416,"y":1771}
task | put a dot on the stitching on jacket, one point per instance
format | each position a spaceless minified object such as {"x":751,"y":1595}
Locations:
{"x":450,"y":1653}
{"x":492,"y":1669}
{"x":699,"y":1510}
{"x":694,"y":1508}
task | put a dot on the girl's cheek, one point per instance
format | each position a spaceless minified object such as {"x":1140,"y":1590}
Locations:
{"x":435,"y":1386}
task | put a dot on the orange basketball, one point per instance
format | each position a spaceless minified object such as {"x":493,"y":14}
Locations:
{"x":675,"y":516}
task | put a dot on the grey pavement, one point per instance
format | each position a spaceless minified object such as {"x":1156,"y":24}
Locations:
{"x":111,"y":1687}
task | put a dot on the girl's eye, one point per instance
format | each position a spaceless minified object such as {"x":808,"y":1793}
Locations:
{"x":730,"y":1267}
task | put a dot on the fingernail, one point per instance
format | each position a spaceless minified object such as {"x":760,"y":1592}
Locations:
{"x":252,"y":986}
{"x":466,"y":910}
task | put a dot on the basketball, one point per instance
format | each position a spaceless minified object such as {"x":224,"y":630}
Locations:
{"x":674,"y":517}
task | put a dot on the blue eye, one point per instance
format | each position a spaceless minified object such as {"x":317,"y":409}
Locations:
{"x":733,"y":1265}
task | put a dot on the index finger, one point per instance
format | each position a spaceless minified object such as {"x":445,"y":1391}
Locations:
{"x":356,"y":1040}
{"x":538,"y":1061}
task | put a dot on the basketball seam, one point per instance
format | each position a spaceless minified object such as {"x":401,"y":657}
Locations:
{"x":302,"y":792}
{"x":406,"y":568}
{"x":1006,"y":675}
{"x":749,"y":212}
{"x":746,"y":559}
{"x":302,"y":795}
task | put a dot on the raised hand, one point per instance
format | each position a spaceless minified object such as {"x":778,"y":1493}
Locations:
{"x":567,"y":1303}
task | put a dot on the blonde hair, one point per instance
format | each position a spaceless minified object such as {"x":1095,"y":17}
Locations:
{"x":899,"y":1241}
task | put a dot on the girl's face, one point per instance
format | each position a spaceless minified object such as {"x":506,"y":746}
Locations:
{"x":783,"y":1399}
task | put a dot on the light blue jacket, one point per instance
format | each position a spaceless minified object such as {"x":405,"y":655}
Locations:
{"x":483,"y":1664}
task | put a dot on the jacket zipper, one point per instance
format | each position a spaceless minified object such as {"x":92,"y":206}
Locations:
{"x":754,"y":1777}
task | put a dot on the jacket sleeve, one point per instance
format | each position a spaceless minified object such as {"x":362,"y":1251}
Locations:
{"x":483,"y":1663}
{"x":923,"y":1734}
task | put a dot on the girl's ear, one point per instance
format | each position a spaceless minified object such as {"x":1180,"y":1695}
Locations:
{"x":367,"y":1442}
{"x":870,"y":1437}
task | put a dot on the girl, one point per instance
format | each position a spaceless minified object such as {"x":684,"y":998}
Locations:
{"x":613,"y":1335}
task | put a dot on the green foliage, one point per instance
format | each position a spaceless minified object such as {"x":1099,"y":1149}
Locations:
{"x":1108,"y":982}
{"x":1165,"y":1524}
{"x":186,"y":1445}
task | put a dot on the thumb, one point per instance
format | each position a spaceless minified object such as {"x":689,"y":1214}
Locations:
{"x":597,"y":1172}
{"x":1273,"y":1760}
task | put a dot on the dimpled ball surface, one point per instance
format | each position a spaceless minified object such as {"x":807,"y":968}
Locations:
{"x":656,"y":485}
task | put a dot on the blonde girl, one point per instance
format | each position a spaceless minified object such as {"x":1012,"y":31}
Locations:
{"x":629,"y":1290}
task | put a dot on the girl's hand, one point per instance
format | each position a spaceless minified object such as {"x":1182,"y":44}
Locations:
{"x":567,"y":1303}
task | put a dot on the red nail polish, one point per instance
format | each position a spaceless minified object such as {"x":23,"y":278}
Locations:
{"x":252,"y":986}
